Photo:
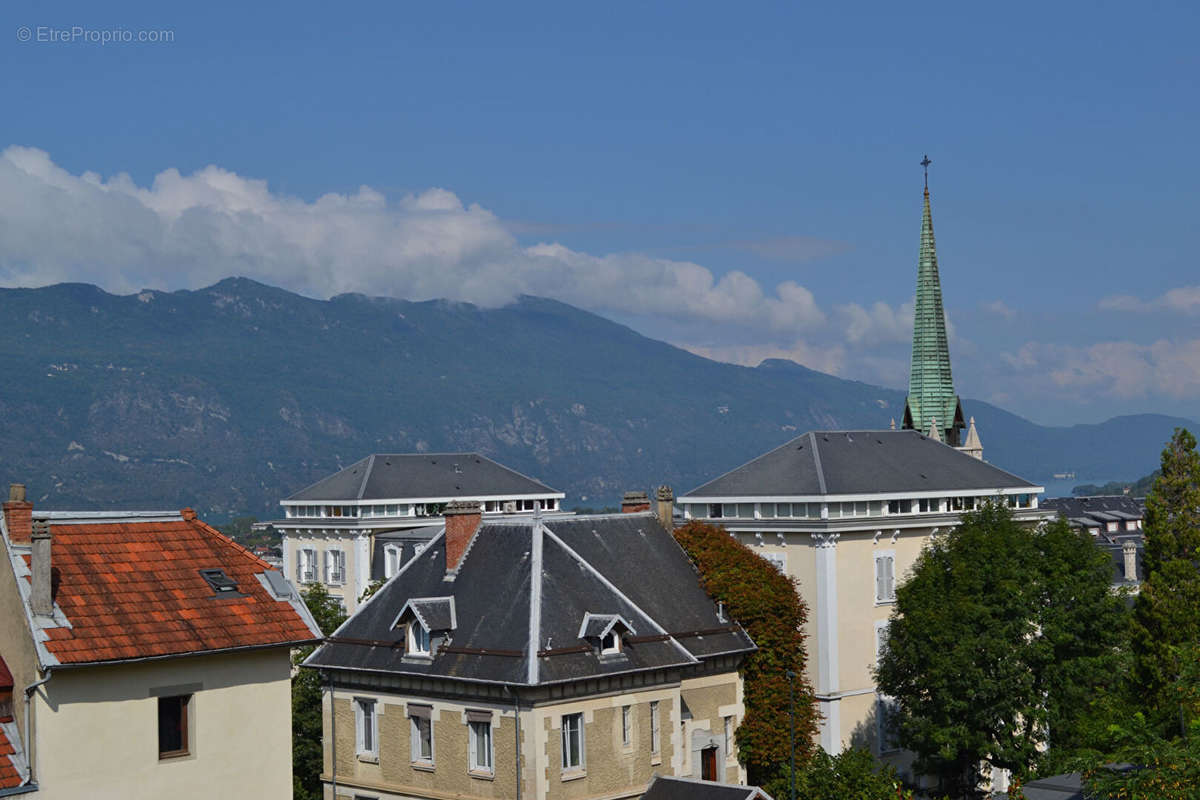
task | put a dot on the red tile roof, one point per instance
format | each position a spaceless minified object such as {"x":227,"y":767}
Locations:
{"x":9,"y":777}
{"x":133,"y":589}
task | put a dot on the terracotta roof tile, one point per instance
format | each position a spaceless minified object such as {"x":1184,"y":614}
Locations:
{"x":9,"y":777}
{"x":134,"y":590}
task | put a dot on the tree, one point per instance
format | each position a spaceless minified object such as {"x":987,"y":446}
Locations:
{"x":1167,"y":613}
{"x":853,"y":774}
{"x":766,"y":604}
{"x":993,"y":638}
{"x":307,"y":754}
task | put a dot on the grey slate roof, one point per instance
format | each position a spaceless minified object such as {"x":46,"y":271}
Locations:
{"x":395,"y":476}
{"x":859,"y":462}
{"x":1056,"y":787}
{"x":664,"y":787}
{"x":435,"y":613}
{"x":1101,"y":508}
{"x":407,"y":539}
{"x":508,"y":609}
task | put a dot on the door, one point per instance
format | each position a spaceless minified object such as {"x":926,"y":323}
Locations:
{"x":708,"y":764}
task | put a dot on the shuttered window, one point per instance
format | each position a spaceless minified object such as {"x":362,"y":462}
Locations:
{"x":885,"y":577}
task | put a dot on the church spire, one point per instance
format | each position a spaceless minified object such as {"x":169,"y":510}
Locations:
{"x":930,"y":385}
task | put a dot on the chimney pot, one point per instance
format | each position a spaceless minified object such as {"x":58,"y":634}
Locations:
{"x":188,"y":514}
{"x":18,"y":514}
{"x":1129,"y":550}
{"x":462,"y":520}
{"x":41,"y":600}
{"x":633,"y":502}
{"x":665,"y":498}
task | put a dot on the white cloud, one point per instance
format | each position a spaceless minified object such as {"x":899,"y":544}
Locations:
{"x":1000,"y":309}
{"x":878,"y":324}
{"x":185,"y":231}
{"x":1182,"y":300}
{"x":1118,"y":369}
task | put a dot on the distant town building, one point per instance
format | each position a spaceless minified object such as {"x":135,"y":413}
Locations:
{"x":533,"y":657}
{"x":144,"y":655}
{"x":363,"y":522}
{"x":1115,"y":524}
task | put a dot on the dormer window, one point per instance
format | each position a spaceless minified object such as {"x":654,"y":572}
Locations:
{"x":428,"y":623}
{"x":605,"y":632}
{"x":418,"y":639}
{"x":219,"y":581}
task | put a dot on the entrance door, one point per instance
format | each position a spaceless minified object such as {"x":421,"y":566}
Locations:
{"x":708,"y":764}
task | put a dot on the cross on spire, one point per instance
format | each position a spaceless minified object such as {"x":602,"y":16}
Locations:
{"x":925,"y":162}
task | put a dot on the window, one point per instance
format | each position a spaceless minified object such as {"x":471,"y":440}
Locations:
{"x":391,"y":560}
{"x":306,"y":565}
{"x":885,"y":715}
{"x":881,"y":637}
{"x":900,"y":506}
{"x":610,"y":644}
{"x":480,"y":723}
{"x":418,"y":639}
{"x":219,"y":582}
{"x":421,"y":734}
{"x":335,"y":567}
{"x":714,"y":511}
{"x":728,"y":738}
{"x":365,"y":723}
{"x":1112,"y":527}
{"x":766,"y":510}
{"x":173,"y":726}
{"x":729,"y":510}
{"x":626,"y":725}
{"x":885,"y":577}
{"x":572,"y":741}
{"x":654,"y":727}
{"x":925,"y":505}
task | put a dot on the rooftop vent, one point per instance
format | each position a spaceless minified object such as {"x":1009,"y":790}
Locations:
{"x":219,"y":581}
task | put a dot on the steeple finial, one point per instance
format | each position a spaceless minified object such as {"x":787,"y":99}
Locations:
{"x":925,"y":162}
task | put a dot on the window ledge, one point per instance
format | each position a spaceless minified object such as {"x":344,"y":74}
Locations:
{"x":574,"y":774}
{"x":417,"y":658}
{"x":891,"y":602}
{"x":424,"y":766}
{"x":369,"y":758}
{"x":655,"y":760}
{"x":174,"y":754}
{"x":483,"y":775}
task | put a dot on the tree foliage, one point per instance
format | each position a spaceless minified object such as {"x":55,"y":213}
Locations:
{"x":994,"y":642}
{"x":307,"y":754}
{"x":1167,"y":613}
{"x":853,"y":774}
{"x":766,"y":603}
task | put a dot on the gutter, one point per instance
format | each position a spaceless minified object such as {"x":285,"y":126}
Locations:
{"x":25,"y":788}
{"x":29,"y":754}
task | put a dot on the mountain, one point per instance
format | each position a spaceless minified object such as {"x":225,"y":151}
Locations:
{"x":231,"y":397}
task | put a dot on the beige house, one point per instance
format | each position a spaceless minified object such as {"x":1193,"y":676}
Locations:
{"x":361,"y":523}
{"x":846,"y":513}
{"x":574,"y":657}
{"x":149,"y":657}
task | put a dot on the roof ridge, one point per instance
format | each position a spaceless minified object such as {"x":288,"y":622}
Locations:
{"x":362,"y":487}
{"x":615,"y":590}
{"x":537,"y":533}
{"x":321,"y":480}
{"x":812,"y":441}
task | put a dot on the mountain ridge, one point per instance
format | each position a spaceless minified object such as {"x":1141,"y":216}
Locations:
{"x":232,"y":396}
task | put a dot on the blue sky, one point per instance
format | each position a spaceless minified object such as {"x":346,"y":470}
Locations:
{"x":667,"y":165}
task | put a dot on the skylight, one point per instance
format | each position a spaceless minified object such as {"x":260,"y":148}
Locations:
{"x":219,"y":581}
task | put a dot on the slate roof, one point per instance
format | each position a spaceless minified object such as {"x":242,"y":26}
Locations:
{"x":131,"y":589}
{"x":408,"y":540}
{"x":1100,"y":508}
{"x":859,"y":462}
{"x":521,"y":594}
{"x":397,"y":476}
{"x":1056,"y":787}
{"x":664,"y":787}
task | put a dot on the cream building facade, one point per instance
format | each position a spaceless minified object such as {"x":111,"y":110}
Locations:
{"x":847,"y":513}
{"x":437,"y":689}
{"x":150,"y":657}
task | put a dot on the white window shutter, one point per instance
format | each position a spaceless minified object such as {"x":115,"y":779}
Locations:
{"x":880,"y":585}
{"x":299,"y":566}
{"x":326,"y":559}
{"x":890,"y":577}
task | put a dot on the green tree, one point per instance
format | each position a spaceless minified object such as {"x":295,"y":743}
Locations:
{"x":853,"y":774}
{"x":765,"y":602}
{"x":1167,"y":613}
{"x":307,"y":756}
{"x":993,"y":640}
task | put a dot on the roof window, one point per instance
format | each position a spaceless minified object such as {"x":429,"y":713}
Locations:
{"x":219,"y":581}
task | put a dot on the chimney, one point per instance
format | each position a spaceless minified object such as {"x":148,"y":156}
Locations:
{"x":665,"y":499}
{"x":1129,"y":550}
{"x":18,"y":514}
{"x":462,"y":520}
{"x":40,"y":600}
{"x":633,"y":502}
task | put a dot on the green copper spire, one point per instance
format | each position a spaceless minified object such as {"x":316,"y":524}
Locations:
{"x":931,"y":398}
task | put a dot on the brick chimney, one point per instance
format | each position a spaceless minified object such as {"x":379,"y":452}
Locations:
{"x":41,"y":600}
{"x":462,"y":520}
{"x":18,"y":514}
{"x":633,"y":502}
{"x":665,"y":507}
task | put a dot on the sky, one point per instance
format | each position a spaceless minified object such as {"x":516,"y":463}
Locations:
{"x":739,"y":180}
